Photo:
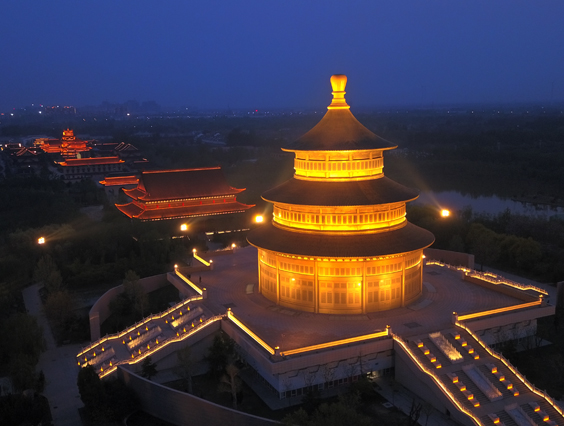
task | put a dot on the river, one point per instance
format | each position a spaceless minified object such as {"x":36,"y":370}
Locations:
{"x":453,"y":200}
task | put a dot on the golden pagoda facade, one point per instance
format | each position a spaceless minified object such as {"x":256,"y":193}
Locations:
{"x":339,"y":241}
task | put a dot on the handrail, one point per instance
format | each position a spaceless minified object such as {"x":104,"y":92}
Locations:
{"x":248,"y":331}
{"x":488,"y":276}
{"x":499,"y":310}
{"x":166,"y":342}
{"x":440,"y":384}
{"x":138,"y":324}
{"x":336,"y":343}
{"x":189,"y":282}
{"x":514,"y":370}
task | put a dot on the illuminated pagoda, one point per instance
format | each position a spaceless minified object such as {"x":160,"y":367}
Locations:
{"x":69,"y":146}
{"x":339,"y":241}
{"x":175,"y":194}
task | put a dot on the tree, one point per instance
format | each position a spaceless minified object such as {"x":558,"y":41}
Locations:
{"x":484,"y":243}
{"x":90,"y":387}
{"x":414,"y":412}
{"x":230,"y":382}
{"x":22,"y":373}
{"x":48,"y":273}
{"x":148,"y":368}
{"x":20,"y":334}
{"x":219,"y":354}
{"x":343,"y":412}
{"x":185,"y":367}
{"x":59,"y":307}
{"x":135,"y":292}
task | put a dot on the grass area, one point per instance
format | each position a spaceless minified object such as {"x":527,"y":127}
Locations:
{"x":159,"y":300}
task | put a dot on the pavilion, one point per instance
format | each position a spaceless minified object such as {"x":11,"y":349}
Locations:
{"x":185,"y":193}
{"x":339,"y":241}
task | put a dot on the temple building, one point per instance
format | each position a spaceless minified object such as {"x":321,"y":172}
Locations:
{"x":339,"y":241}
{"x":69,"y":146}
{"x":175,"y":194}
{"x":113,"y":184}
{"x":76,"y":169}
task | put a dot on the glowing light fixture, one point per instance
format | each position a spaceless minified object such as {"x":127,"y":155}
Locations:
{"x":41,"y":240}
{"x":183,"y":227}
{"x":259,"y":218}
{"x":445,"y":213}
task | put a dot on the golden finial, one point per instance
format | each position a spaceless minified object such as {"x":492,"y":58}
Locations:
{"x":338,"y":82}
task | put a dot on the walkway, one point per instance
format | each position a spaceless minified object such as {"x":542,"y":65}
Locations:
{"x":58,"y":365}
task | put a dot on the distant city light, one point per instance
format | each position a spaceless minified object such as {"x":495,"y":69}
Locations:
{"x":41,"y":240}
{"x":258,"y":218}
{"x":445,"y":213}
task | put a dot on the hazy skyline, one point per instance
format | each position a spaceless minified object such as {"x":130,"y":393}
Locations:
{"x":267,"y":54}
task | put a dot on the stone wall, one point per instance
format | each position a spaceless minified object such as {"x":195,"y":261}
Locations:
{"x":100,"y":311}
{"x":181,"y":408}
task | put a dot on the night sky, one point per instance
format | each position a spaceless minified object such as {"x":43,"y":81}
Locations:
{"x":280,"y":53}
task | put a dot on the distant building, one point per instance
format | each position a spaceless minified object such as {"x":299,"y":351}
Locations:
{"x":69,"y":146}
{"x":76,"y":169}
{"x":175,"y":194}
{"x":26,"y":161}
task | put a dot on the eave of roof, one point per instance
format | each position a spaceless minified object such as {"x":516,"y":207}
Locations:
{"x":182,"y":184}
{"x":75,"y":162}
{"x":134,"y":210}
{"x":316,"y":244}
{"x":353,"y":193}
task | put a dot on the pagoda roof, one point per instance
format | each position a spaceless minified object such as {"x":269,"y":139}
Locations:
{"x":351,"y":193}
{"x":181,"y":184}
{"x":125,"y":147}
{"x":339,"y":130}
{"x":25,"y":152}
{"x":136,"y":210}
{"x":317,"y":244}
{"x":95,"y":161}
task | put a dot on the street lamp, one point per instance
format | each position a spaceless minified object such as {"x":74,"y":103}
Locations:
{"x":184,"y":227}
{"x":445,"y":213}
{"x":258,"y":218}
{"x":41,"y":240}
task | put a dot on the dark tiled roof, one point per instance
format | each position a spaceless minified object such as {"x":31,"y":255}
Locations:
{"x":354,"y":193}
{"x":181,"y":184}
{"x":74,"y":162}
{"x":137,"y":211}
{"x":339,"y":130}
{"x":402,"y":240}
{"x":119,"y":180}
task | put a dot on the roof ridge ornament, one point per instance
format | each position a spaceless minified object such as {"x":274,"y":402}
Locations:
{"x":338,"y":83}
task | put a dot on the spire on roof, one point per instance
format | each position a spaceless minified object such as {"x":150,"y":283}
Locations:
{"x":338,"y":83}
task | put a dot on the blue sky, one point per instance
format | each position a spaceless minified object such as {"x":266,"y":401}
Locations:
{"x":269,"y":54}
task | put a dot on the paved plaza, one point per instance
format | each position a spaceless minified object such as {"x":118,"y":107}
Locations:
{"x":230,"y":283}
